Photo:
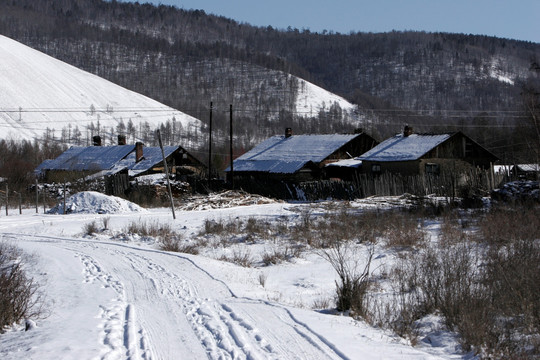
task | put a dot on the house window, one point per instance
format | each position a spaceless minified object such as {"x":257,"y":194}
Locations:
{"x":432,"y":169}
{"x":376,"y":168}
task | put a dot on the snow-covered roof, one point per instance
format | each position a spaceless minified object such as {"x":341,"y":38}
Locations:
{"x":107,"y":160}
{"x":404,"y":148}
{"x":89,"y":158}
{"x":286,"y":155}
{"x":151,"y":157}
{"x":528,"y":167}
{"x":349,"y":163}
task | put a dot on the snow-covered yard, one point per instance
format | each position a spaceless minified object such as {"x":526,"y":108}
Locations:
{"x":117,"y":296}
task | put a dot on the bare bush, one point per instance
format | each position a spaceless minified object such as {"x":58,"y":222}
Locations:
{"x":354,"y":276}
{"x":20,"y":295}
{"x":504,"y":225}
{"x":90,"y":228}
{"x":176,"y":243}
{"x":239,"y":257}
{"x":402,"y":230}
{"x":152,"y":229}
{"x":276,"y":256}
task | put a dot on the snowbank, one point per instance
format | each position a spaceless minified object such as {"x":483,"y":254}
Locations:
{"x":92,"y":202}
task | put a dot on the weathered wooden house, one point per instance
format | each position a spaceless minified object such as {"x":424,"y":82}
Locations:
{"x":526,"y":171}
{"x":418,"y":154}
{"x":118,"y":164}
{"x":297,"y":158}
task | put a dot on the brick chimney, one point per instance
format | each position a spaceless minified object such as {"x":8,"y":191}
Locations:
{"x":408,"y":130}
{"x":138,"y":151}
{"x":96,"y":140}
{"x":288,"y":132}
{"x":121,"y":139}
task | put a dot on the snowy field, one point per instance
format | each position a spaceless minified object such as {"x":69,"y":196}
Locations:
{"x":117,"y":296}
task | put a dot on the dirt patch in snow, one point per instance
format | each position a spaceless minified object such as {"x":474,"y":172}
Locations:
{"x":92,"y":202}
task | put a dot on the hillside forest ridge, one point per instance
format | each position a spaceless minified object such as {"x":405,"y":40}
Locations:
{"x":187,"y":59}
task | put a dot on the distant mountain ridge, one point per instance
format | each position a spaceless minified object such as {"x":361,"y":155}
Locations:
{"x":187,"y":59}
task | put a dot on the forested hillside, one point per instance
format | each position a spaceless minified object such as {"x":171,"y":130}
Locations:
{"x":186,"y":59}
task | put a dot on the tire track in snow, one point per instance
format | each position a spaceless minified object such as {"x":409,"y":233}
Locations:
{"x":223,"y":323}
{"x":119,"y":327}
{"x":222,"y":330}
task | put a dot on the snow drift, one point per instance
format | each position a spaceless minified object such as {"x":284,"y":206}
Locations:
{"x":91,"y":202}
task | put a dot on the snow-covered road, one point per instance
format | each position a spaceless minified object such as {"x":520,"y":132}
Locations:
{"x":118,"y":297}
{"x":135,"y":290}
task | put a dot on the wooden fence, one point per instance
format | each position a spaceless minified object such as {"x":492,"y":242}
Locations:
{"x":451,"y":185}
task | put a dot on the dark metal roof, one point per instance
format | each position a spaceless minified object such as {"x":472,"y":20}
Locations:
{"x":286,"y":155}
{"x":89,"y":158}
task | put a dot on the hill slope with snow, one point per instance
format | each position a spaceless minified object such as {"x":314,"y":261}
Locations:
{"x":38,"y":92}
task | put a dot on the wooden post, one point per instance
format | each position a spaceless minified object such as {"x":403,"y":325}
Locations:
{"x":44,"y":205}
{"x":7,"y":199}
{"x":231,"y":146}
{"x":210,"y":145}
{"x":37,"y":196}
{"x":20,"y":203}
{"x":166,"y":173}
{"x":64,"y":209}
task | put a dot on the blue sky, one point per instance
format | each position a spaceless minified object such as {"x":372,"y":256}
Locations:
{"x":514,"y":19}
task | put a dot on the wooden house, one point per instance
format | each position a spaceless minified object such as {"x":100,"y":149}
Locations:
{"x":118,"y":164}
{"x":297,"y":158}
{"x":431,"y":154}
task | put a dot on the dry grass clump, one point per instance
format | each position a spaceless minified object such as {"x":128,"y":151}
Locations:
{"x":279,"y":255}
{"x":402,"y":230}
{"x":239,"y":257}
{"x":502,"y":226}
{"x":90,"y":228}
{"x":149,"y":229}
{"x":176,"y":243}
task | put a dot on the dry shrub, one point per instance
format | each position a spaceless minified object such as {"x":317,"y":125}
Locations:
{"x":176,"y":243}
{"x":20,"y":295}
{"x":344,"y":225}
{"x":239,"y":257}
{"x":277,"y":256}
{"x":402,"y":230}
{"x":257,"y":227}
{"x":487,"y":292}
{"x":442,"y":280}
{"x":353,"y":273}
{"x":90,"y":228}
{"x":213,"y":227}
{"x":152,"y":229}
{"x":453,"y":231}
{"x":502,"y":226}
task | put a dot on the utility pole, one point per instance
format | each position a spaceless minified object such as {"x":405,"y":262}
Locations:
{"x":231,"y":147}
{"x":166,"y":173}
{"x":37,"y":196}
{"x":210,"y":146}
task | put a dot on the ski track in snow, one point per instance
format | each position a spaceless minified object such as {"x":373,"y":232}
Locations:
{"x":226,"y":327}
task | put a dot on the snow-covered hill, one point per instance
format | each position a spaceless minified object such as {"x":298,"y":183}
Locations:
{"x":312,"y":98}
{"x":38,"y":92}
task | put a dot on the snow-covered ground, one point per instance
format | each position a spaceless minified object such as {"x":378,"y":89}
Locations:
{"x":38,"y":92}
{"x":115,"y":296}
